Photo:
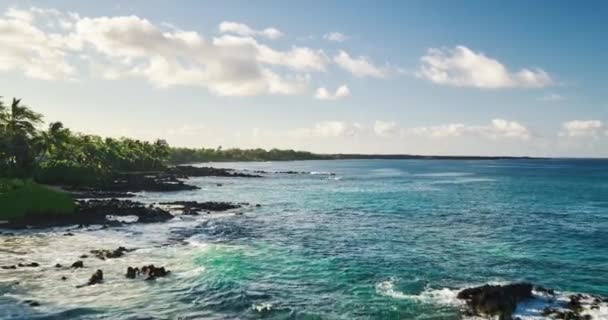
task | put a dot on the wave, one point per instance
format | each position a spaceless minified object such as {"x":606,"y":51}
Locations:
{"x":444,"y":174}
{"x":531,"y":309}
{"x":463,"y":180}
{"x":326,"y":173}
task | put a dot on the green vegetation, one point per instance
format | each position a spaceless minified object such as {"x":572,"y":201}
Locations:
{"x":57,"y":156}
{"x":20,"y":198}
{"x":186,"y":155}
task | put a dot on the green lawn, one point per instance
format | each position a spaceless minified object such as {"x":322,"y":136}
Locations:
{"x":19,"y":198}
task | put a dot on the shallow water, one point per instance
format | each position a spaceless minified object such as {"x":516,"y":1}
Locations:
{"x":382,"y":239}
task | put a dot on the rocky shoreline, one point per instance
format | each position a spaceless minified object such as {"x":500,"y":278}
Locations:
{"x":501,"y":301}
{"x":103,"y":204}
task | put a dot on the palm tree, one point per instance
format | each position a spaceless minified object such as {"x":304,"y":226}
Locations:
{"x":19,"y":124}
{"x":54,"y":140}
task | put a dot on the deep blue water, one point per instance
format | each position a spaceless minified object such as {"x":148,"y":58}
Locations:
{"x":377,"y":239}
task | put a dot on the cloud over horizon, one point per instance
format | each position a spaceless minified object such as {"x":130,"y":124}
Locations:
{"x":324,"y":94}
{"x":50,"y":45}
{"x":463,"y":67}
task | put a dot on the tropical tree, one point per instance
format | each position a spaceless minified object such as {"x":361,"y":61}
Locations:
{"x":54,"y":141}
{"x":19,"y":130}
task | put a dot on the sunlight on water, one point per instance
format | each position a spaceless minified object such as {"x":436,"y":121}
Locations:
{"x":378,"y":239}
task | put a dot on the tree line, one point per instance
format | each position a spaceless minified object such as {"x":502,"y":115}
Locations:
{"x":56,"y":155}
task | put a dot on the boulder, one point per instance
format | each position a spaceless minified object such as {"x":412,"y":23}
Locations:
{"x":496,"y":300}
{"x":150,"y":272}
{"x":132,"y":273}
{"x":110,"y":254}
{"x":77,"y":265}
{"x":96,"y":278}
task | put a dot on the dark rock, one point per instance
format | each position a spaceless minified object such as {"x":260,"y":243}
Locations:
{"x":30,"y":265}
{"x":150,"y":181}
{"x":496,"y":300}
{"x":84,"y":256}
{"x":96,"y":278}
{"x":110,"y":254}
{"x":151,"y":272}
{"x":101,"y":208}
{"x":64,"y":278}
{"x":32,"y":303}
{"x":95,"y":212}
{"x":194,"y":207}
{"x":191,"y":171}
{"x":575,"y":303}
{"x":99,"y":194}
{"x":258,"y":205}
{"x":68,"y":234}
{"x":132,"y":272}
{"x":78,"y":264}
{"x":9,"y":267}
{"x":544,"y":290}
{"x":58,"y":265}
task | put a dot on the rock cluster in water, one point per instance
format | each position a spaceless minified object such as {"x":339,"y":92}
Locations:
{"x":501,"y":301}
{"x":191,"y":171}
{"x":496,"y":300}
{"x":149,"y":272}
{"x":194,"y":207}
{"x":110,"y":254}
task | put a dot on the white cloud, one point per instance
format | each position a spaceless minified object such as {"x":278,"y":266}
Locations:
{"x":335,"y":36}
{"x":244,"y":30}
{"x":324,"y":94}
{"x":439,"y":131}
{"x":133,"y":47}
{"x":328,"y":129}
{"x":384,"y":128}
{"x":582,"y":128}
{"x":497,"y":129}
{"x":462,"y":67}
{"x":360,"y":66}
{"x":28,"y":49}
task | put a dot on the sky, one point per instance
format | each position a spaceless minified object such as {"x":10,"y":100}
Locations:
{"x":516,"y":78}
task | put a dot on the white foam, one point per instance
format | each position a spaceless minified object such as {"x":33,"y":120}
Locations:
{"x":531,"y":309}
{"x":262,"y":307}
{"x":443,"y":296}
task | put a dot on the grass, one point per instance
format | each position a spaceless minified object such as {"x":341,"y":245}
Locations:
{"x":19,"y":198}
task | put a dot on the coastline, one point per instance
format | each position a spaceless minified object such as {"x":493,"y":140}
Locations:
{"x":115,"y":269}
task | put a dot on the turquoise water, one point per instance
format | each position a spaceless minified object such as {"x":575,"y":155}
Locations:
{"x":390,"y":239}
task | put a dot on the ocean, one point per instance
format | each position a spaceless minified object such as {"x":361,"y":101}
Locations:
{"x":344,"y":239}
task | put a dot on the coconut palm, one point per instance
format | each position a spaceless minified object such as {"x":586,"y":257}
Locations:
{"x":53,"y":141}
{"x":19,"y":123}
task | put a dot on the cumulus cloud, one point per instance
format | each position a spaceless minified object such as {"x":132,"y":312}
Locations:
{"x":497,"y":129}
{"x":28,"y":49}
{"x":244,"y":30}
{"x":582,"y":128}
{"x":328,"y":129}
{"x":324,"y":94}
{"x":463,"y":67}
{"x":385,"y":128}
{"x":360,"y":67}
{"x":335,"y":37}
{"x":45,"y":44}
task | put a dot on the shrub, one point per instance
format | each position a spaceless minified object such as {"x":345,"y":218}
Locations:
{"x":60,"y":172}
{"x":34,"y":199}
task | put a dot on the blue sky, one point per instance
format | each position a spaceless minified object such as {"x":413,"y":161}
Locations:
{"x":421,"y":77}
